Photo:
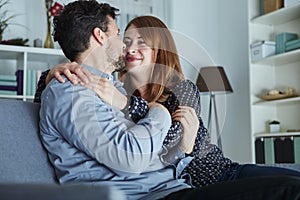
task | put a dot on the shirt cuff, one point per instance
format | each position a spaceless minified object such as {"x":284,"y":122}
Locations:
{"x":171,"y":155}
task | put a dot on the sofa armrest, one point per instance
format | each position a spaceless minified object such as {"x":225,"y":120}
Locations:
{"x":58,"y":192}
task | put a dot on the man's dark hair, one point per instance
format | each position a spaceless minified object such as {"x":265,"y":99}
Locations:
{"x":75,"y":23}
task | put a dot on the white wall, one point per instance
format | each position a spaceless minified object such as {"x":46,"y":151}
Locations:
{"x":234,"y":56}
{"x":221,"y":27}
{"x":216,"y":26}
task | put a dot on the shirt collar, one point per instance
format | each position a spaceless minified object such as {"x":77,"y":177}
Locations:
{"x":98,"y":72}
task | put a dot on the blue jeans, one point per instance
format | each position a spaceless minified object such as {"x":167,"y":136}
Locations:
{"x":258,"y":188}
{"x":252,"y":171}
{"x":245,"y":182}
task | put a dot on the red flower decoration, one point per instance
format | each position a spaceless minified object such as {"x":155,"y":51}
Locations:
{"x":55,"y":9}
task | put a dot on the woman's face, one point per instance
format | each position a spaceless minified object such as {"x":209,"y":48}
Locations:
{"x":139,"y":56}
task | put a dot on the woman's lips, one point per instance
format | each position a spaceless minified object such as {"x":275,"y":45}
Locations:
{"x":132,"y":59}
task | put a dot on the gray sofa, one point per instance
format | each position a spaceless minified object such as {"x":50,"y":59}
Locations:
{"x":25,"y":172}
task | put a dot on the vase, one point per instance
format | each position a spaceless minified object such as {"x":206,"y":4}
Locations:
{"x":48,"y":41}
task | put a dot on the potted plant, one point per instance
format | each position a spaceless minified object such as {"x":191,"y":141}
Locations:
{"x":4,"y":19}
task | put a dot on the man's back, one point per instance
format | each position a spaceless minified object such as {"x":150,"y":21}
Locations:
{"x":90,"y":141}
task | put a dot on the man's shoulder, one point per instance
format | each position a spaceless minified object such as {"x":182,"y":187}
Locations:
{"x":56,"y":91}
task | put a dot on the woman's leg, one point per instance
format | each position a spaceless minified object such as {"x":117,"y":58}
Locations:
{"x":259,"y":188}
{"x":252,"y":170}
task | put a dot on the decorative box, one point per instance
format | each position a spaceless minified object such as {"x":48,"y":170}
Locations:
{"x":274,"y":126}
{"x":262,"y":49}
{"x":272,"y":5}
{"x":281,"y":39}
{"x":292,"y":45}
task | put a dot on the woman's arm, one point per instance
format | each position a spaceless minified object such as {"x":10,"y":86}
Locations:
{"x":40,"y":87}
{"x":188,"y":94}
{"x":185,"y":94}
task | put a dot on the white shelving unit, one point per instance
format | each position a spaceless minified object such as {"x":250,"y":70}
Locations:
{"x":20,"y":57}
{"x":278,"y":71}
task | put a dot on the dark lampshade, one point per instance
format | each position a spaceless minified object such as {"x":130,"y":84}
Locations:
{"x":213,"y":79}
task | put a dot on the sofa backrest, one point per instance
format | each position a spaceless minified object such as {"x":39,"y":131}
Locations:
{"x":22,"y":156}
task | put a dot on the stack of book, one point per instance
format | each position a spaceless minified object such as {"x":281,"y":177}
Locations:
{"x":32,"y":77}
{"x":282,"y":39}
{"x":272,"y":150}
{"x":8,"y":85}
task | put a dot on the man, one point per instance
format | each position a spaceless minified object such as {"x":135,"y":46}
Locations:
{"x":89,"y":141}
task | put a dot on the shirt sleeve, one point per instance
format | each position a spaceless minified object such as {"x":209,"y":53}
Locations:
{"x":170,"y":155}
{"x":136,"y":109}
{"x":187,"y":94}
{"x":101,"y":132}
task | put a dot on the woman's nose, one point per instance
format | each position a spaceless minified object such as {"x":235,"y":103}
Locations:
{"x":132,"y":49}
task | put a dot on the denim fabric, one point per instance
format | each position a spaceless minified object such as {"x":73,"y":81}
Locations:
{"x":260,"y":188}
{"x":252,"y":170}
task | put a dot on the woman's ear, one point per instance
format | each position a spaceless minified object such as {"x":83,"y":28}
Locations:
{"x":98,"y":35}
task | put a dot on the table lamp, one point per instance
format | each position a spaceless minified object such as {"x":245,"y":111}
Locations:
{"x":213,"y":80}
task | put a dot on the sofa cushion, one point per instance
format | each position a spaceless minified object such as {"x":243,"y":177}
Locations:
{"x":22,"y":156}
{"x":59,"y":192}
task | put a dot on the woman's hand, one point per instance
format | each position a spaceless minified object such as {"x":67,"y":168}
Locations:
{"x":189,"y":120}
{"x":107,"y":91}
{"x":72,"y":70}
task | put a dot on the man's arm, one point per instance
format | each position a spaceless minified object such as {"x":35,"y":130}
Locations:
{"x":93,"y":127}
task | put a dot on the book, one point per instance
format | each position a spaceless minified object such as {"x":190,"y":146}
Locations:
{"x":284,"y":150}
{"x":8,"y":92}
{"x":8,"y":77}
{"x":33,"y":82}
{"x":261,"y":7}
{"x":3,"y":87}
{"x":8,"y":83}
{"x":259,"y":151}
{"x":281,"y":40}
{"x":19,"y":75}
{"x":269,"y":150}
{"x":28,"y":82}
{"x":297,"y":149}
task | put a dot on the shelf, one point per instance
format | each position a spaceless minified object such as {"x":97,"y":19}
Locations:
{"x":279,"y":16}
{"x":280,"y":59}
{"x":29,"y":58}
{"x":15,"y":97}
{"x":33,"y":53}
{"x":35,"y":50}
{"x":281,"y":134}
{"x":279,"y":101}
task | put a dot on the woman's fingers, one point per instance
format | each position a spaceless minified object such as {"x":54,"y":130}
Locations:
{"x":190,"y":123}
{"x":187,"y":113}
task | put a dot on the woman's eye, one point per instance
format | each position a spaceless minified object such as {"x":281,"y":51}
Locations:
{"x":127,"y":43}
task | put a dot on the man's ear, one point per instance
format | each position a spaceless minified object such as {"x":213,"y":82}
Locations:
{"x":98,"y":35}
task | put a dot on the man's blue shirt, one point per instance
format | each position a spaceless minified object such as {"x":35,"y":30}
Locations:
{"x":90,"y":141}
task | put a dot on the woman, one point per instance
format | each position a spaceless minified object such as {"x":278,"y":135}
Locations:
{"x":153,"y":74}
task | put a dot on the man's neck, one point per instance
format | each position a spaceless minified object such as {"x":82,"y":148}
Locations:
{"x":92,"y":58}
